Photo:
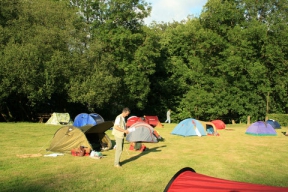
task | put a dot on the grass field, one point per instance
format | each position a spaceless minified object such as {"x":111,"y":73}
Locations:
{"x":233,"y":155}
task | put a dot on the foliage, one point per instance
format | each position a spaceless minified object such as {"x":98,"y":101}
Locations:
{"x":35,"y":58}
{"x":98,"y":56}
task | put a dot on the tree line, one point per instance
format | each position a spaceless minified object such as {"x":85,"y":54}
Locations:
{"x":98,"y":56}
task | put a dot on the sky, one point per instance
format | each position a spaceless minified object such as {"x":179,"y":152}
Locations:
{"x":174,"y":10}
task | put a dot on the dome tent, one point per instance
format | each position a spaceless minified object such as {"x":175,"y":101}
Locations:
{"x":260,"y":128}
{"x":153,"y":121}
{"x":93,"y":137}
{"x":209,"y":127}
{"x":59,"y":119}
{"x":96,"y":135}
{"x":133,"y":119}
{"x":274,"y":123}
{"x":67,"y":138}
{"x":189,"y":127}
{"x":94,"y":127}
{"x":87,"y":119}
{"x":219,"y":124}
{"x":142,"y":132}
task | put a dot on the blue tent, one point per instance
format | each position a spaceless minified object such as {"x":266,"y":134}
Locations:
{"x":87,"y":119}
{"x":189,"y":127}
{"x":274,"y":123}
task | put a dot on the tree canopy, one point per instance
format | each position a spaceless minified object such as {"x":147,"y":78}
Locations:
{"x":98,"y":56}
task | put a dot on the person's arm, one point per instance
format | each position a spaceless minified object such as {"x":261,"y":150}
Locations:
{"x":117,"y":127}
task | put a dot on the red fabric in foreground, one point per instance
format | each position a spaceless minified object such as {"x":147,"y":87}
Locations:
{"x":190,"y":181}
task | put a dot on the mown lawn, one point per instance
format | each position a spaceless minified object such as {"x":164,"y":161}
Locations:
{"x":233,"y":155}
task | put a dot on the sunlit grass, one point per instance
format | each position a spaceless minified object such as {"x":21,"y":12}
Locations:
{"x":233,"y":155}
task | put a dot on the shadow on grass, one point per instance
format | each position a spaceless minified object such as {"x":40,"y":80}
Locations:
{"x":148,"y":150}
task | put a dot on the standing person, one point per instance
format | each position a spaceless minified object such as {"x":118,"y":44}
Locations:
{"x":119,"y":129}
{"x":168,"y":116}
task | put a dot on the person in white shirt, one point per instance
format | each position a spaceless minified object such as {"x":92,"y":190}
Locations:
{"x":119,"y":129}
{"x":168,"y":116}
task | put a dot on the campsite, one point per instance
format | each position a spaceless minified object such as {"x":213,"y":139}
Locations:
{"x":233,"y":155}
{"x":65,"y":62}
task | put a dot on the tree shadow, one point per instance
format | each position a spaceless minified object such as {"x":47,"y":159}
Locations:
{"x":147,"y":151}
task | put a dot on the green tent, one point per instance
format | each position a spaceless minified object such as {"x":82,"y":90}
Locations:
{"x":70,"y":137}
{"x":59,"y":119}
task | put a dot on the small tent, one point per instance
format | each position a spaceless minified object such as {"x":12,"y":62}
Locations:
{"x":189,"y":127}
{"x":187,"y":179}
{"x":142,"y":132}
{"x":67,"y":138}
{"x":153,"y":121}
{"x":96,"y":135}
{"x":274,"y":123}
{"x":93,"y":137}
{"x":219,"y":124}
{"x":209,"y":127}
{"x":59,"y":119}
{"x":133,"y":119}
{"x":87,"y":119}
{"x":260,"y":128}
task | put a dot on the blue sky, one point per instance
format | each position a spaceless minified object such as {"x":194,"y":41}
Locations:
{"x":174,"y":10}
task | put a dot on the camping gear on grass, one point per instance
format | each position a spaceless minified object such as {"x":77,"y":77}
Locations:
{"x":70,"y":137}
{"x":260,"y":128}
{"x":187,"y":128}
{"x":274,"y":123}
{"x":96,"y":155}
{"x":29,"y":155}
{"x":137,"y":146}
{"x":187,"y":179}
{"x":80,"y":151}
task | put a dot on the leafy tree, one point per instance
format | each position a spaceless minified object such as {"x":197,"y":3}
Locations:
{"x":248,"y":68}
{"x":35,"y":53}
{"x":117,"y":29}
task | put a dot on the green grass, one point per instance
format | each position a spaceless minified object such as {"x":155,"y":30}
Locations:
{"x":233,"y":155}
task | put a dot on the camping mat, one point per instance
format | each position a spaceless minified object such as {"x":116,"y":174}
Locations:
{"x":29,"y":155}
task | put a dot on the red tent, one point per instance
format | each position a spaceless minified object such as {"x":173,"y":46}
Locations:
{"x":188,"y":180}
{"x":219,"y":124}
{"x":153,"y":121}
{"x":133,"y":119}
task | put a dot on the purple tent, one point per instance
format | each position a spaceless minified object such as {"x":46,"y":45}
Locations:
{"x":260,"y":128}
